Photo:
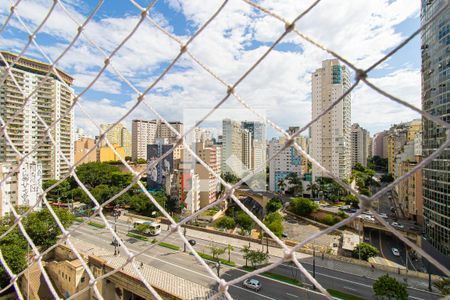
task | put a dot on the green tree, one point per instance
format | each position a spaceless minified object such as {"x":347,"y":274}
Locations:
{"x":230,"y":178}
{"x":386,"y":287}
{"x":295,"y":186}
{"x":245,"y":250}
{"x":330,"y":219}
{"x":274,"y":221}
{"x":281,"y":185}
{"x":274,"y":204}
{"x":14,"y":250}
{"x":121,"y":180}
{"x":216,"y":252}
{"x":351,"y":200}
{"x":42,"y":227}
{"x":225,"y":222}
{"x":443,"y":286}
{"x":144,"y":206}
{"x":141,"y":161}
{"x":314,"y":188}
{"x":303,"y":206}
{"x":256,"y":257}
{"x":365,"y":251}
{"x":95,"y":173}
{"x":59,"y":192}
{"x":229,"y":248}
{"x":387,"y":178}
{"x":244,"y":221}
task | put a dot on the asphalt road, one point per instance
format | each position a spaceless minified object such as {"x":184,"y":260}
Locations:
{"x":185,"y":266}
{"x":329,"y":278}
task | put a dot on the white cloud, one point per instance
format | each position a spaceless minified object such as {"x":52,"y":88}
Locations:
{"x":362,"y":31}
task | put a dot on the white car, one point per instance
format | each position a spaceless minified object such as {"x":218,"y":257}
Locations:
{"x":395,"y":224}
{"x":383,"y":215}
{"x":395,"y":252}
{"x":252,"y":284}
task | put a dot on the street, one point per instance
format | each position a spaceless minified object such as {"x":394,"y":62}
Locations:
{"x":183,"y":265}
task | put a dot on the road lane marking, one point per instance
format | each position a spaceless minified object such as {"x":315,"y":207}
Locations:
{"x":292,"y":295}
{"x":349,"y":288}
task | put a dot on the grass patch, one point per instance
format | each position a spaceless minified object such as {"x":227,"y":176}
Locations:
{"x":98,"y":225}
{"x":78,"y":219}
{"x":222,"y":261}
{"x":277,"y":277}
{"x":137,"y":236}
{"x":343,"y":296}
{"x":170,"y":246}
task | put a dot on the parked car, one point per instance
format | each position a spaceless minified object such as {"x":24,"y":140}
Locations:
{"x":395,"y":224}
{"x":383,"y":215}
{"x":192,"y":242}
{"x":284,"y":234}
{"x":395,"y":252}
{"x":252,"y":284}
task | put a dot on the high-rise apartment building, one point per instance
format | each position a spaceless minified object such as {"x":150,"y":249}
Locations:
{"x":378,"y":144}
{"x":286,"y":162}
{"x":52,"y":101}
{"x":331,"y":134}
{"x":236,"y":148}
{"x":435,"y":100}
{"x":208,"y":182}
{"x":257,"y":131}
{"x":143,"y":133}
{"x":360,"y":145}
{"x":119,"y":135}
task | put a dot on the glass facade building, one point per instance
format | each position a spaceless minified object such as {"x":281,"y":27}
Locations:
{"x":435,"y":50}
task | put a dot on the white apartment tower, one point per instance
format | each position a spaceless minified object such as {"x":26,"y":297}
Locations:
{"x":52,"y":101}
{"x":361,"y":145}
{"x":286,"y":162}
{"x":144,"y":132}
{"x":330,"y":135}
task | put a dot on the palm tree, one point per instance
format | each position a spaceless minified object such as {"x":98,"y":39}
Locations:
{"x":295,"y":183}
{"x":229,"y":249}
{"x":281,"y":186}
{"x":314,"y":188}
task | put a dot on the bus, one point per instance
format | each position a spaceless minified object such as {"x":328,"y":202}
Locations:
{"x":147,"y":227}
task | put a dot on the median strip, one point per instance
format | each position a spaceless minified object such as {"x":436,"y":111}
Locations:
{"x":98,"y":225}
{"x":137,"y":236}
{"x":222,"y":261}
{"x":343,"y":296}
{"x":170,"y":246}
{"x":276,"y":276}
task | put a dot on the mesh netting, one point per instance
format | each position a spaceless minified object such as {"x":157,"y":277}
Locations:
{"x":229,"y":93}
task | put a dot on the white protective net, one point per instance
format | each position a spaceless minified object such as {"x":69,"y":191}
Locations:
{"x":229,"y":92}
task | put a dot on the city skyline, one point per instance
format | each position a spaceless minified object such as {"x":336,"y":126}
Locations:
{"x":295,"y":59}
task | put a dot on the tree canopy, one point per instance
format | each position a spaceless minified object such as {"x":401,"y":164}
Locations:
{"x":388,"y":287}
{"x":303,"y":206}
{"x":365,"y":250}
{"x":274,"y":204}
{"x":274,"y":221}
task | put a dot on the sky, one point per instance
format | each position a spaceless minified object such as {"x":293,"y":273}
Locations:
{"x":279,"y":87}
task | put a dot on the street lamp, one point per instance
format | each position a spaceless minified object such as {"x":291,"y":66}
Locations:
{"x":115,"y":214}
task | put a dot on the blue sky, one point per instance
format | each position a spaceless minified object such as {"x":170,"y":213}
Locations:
{"x":359,"y":30}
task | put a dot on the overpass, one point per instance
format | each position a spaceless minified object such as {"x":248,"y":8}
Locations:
{"x":360,"y":224}
{"x":261,"y":197}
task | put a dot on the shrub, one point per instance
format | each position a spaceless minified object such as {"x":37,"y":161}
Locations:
{"x":330,"y":219}
{"x":137,"y":236}
{"x":170,"y":246}
{"x":225,"y":222}
{"x":302,"y":206}
{"x":274,"y":205}
{"x":342,"y":214}
{"x":274,"y":221}
{"x":365,"y":251}
{"x":244,"y":221}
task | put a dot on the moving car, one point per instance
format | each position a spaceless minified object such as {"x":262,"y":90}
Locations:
{"x":192,"y":242}
{"x":395,"y":252}
{"x":383,"y":215}
{"x":252,"y":284}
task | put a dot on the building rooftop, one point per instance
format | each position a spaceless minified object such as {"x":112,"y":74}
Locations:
{"x":34,"y":66}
